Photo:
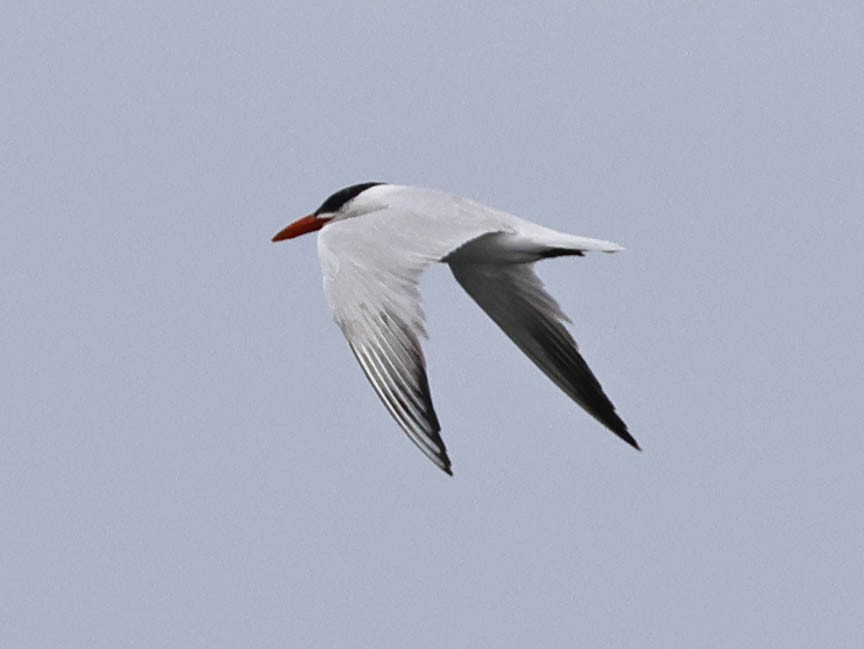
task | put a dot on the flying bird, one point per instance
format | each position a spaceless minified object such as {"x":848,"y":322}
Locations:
{"x":376,"y":239}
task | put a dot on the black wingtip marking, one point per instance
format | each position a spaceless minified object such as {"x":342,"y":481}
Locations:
{"x":573,"y":375}
{"x":406,"y":394}
{"x":627,"y":437}
{"x":606,"y":415}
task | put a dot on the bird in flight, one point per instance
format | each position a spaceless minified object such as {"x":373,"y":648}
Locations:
{"x":376,"y":240}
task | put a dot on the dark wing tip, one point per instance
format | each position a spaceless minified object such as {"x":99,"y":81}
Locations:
{"x":407,"y":399}
{"x":627,"y":437}
{"x":603,"y":410}
{"x":440,"y":458}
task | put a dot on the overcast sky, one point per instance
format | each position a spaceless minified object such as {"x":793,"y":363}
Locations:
{"x":190,"y":455}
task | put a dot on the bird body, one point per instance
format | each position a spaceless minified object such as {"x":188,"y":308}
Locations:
{"x":375,"y":241}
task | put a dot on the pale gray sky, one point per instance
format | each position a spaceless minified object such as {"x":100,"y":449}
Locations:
{"x":189,"y":454}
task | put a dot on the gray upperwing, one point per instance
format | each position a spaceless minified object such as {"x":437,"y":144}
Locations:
{"x":514,"y":297}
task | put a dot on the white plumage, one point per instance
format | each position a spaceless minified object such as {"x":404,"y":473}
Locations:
{"x":376,"y":240}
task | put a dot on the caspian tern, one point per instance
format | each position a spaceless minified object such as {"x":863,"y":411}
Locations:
{"x":375,"y":241}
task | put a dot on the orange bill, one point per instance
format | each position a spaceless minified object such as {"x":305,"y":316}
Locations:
{"x":308,"y":223}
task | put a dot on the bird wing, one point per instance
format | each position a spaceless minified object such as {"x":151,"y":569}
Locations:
{"x":371,"y":266}
{"x":514,"y":297}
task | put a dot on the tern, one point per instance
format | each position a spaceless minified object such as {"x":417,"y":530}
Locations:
{"x":375,"y":241}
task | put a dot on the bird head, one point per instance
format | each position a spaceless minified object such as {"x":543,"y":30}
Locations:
{"x":341,"y":205}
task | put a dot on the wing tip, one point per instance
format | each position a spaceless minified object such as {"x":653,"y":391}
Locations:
{"x":439,"y":459}
{"x":442,"y":460}
{"x":624,"y":434}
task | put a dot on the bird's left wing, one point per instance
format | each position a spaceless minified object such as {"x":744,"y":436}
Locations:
{"x":371,"y":266}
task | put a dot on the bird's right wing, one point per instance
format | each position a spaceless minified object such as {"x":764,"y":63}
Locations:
{"x":514,"y":297}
